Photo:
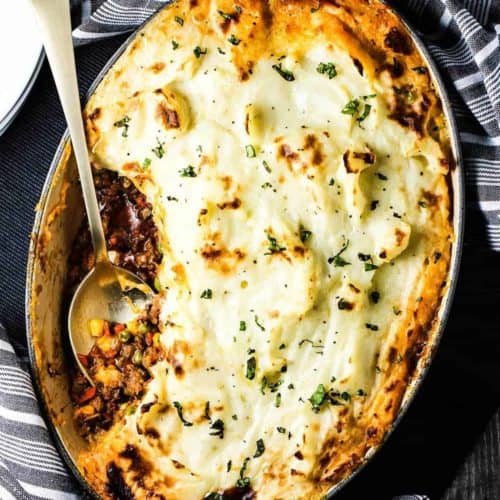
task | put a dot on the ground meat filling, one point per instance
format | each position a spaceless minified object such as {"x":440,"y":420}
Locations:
{"x":119,"y":362}
{"x":131,"y":234}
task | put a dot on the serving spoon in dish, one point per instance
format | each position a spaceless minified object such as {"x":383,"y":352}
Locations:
{"x":107,"y":292}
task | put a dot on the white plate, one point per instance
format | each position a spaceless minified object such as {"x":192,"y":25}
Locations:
{"x":21,"y":56}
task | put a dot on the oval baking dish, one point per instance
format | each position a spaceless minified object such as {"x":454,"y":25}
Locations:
{"x":60,"y":213}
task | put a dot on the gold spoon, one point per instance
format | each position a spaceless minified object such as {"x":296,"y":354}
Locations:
{"x":107,"y":292}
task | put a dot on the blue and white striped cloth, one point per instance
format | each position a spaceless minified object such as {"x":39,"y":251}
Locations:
{"x":463,"y":36}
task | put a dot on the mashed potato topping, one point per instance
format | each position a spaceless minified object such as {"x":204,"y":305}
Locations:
{"x":295,"y":156}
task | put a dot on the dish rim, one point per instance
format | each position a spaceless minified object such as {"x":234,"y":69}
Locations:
{"x":458,"y":221}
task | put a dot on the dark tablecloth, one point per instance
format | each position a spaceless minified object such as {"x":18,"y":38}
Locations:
{"x":448,"y":444}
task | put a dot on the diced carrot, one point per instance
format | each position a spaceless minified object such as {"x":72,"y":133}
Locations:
{"x":84,"y":360}
{"x":106,"y":329}
{"x":86,"y":395}
{"x":119,"y":327}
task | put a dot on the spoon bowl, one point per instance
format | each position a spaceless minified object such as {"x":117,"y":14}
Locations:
{"x":107,"y":293}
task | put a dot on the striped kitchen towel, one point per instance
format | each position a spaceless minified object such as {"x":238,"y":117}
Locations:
{"x":30,"y":466}
{"x":463,"y":38}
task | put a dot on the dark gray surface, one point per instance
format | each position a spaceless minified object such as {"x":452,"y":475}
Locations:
{"x":455,"y":410}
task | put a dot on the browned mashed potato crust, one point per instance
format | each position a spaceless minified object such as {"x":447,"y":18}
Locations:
{"x":382,"y":51}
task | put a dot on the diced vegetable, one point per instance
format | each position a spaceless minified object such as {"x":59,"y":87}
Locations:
{"x":137,"y":358}
{"x":86,"y":395}
{"x":96,"y":327}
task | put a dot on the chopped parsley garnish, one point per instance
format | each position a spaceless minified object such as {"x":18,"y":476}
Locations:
{"x":361,"y":392}
{"x":321,"y":396}
{"x":304,"y":234}
{"x":124,"y":124}
{"x":372,"y":327}
{"x":243,"y":482}
{"x":220,"y":51}
{"x":266,"y":185}
{"x":277,"y":401}
{"x":284,"y":73}
{"x":331,"y":182}
{"x":375,"y":297}
{"x":157,"y":284}
{"x":251,"y":366}
{"x":364,"y":114}
{"x":213,"y":496}
{"x":229,"y":465}
{"x":218,"y":428}
{"x":260,"y":448}
{"x":327,"y":69}
{"x":351,"y":107}
{"x":179,"y":20}
{"x":175,"y":45}
{"x":318,"y":398}
{"x":266,"y":166}
{"x":421,"y":70}
{"x":238,"y":9}
{"x":407,"y":92}
{"x":273,"y":247}
{"x":206,"y":294}
{"x":281,"y":430}
{"x":370,"y":266}
{"x":374,"y":204}
{"x":256,"y":319}
{"x":364,"y":257}
{"x":337,"y":260}
{"x":250,"y":150}
{"x":178,"y":407}
{"x":146,"y":163}
{"x":233,"y":40}
{"x":188,"y":171}
{"x":224,"y":15}
{"x":267,"y":384}
{"x":198,"y":51}
{"x":159,"y":151}
{"x":381,"y":176}
{"x":243,"y":326}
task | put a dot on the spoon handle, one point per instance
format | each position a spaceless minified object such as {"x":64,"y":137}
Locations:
{"x":55,"y":26}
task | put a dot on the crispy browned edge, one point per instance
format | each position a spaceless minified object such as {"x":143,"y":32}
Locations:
{"x":375,"y":37}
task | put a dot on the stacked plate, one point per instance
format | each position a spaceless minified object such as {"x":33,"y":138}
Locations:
{"x":21,"y":57}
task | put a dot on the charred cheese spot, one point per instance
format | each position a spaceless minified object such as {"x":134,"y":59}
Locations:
{"x":398,"y":41}
{"x":172,"y":110}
